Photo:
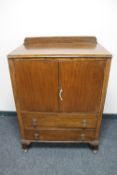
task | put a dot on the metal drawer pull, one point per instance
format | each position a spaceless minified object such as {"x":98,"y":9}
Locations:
{"x":36,"y":136}
{"x":34,"y":122}
{"x":60,"y":94}
{"x":82,"y":137}
{"x":84,"y":123}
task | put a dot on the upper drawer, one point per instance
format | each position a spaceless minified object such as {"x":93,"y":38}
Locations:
{"x":41,"y":120}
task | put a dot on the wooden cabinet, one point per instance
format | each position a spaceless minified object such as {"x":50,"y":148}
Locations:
{"x":59,"y":85}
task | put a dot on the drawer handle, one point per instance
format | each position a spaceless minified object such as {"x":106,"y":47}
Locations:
{"x":34,"y":122}
{"x":84,"y":123}
{"x":60,"y":94}
{"x":82,"y":137}
{"x":36,"y":136}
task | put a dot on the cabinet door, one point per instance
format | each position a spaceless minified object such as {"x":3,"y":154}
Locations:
{"x":37,"y":85}
{"x":81,"y":85}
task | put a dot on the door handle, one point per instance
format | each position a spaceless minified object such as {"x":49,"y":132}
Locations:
{"x":60,"y":94}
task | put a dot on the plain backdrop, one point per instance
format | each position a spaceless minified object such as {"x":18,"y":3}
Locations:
{"x":21,"y":18}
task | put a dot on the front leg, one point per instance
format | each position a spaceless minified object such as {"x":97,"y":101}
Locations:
{"x":94,"y":146}
{"x":25,"y":145}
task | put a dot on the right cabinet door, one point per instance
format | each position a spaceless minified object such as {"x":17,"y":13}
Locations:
{"x":81,"y":83}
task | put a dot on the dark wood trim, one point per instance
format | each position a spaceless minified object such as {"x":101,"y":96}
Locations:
{"x":59,"y":41}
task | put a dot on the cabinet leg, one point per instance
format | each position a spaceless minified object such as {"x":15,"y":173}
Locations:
{"x":94,"y":146}
{"x":25,"y":146}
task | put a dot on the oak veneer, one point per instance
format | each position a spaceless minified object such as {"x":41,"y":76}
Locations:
{"x":58,"y":120}
{"x":60,"y":135}
{"x":59,"y":86}
{"x":36,"y":81}
{"x":84,"y":78}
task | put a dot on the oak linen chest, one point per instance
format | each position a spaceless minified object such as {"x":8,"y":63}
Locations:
{"x":59,"y":86}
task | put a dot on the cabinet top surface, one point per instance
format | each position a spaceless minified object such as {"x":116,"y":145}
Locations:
{"x":60,"y":47}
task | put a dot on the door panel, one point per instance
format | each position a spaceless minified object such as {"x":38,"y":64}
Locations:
{"x":81,"y":83}
{"x":37,"y":85}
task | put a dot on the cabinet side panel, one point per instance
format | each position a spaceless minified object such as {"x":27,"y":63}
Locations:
{"x":104,"y":90}
{"x":13,"y":81}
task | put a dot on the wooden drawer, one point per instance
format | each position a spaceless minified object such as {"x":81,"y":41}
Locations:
{"x":41,"y":121}
{"x":60,"y":135}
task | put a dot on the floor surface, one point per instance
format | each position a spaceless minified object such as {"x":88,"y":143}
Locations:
{"x":54,"y":159}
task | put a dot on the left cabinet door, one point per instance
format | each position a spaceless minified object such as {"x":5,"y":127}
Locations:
{"x":37,"y":84}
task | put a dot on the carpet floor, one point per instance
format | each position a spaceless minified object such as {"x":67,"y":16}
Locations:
{"x":57,"y":159}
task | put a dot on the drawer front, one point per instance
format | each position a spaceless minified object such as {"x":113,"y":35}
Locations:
{"x":59,"y":135}
{"x":41,"y":121}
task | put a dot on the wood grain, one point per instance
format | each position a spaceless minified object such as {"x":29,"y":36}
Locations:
{"x":44,"y":120}
{"x":81,"y":82}
{"x":17,"y":104}
{"x":39,"y":47}
{"x":37,"y":85}
{"x":59,"y":41}
{"x":60,"y":135}
{"x":103,"y":96}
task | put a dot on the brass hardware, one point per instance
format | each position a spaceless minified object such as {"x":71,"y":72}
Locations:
{"x":84,"y":123}
{"x":34,"y":122}
{"x":60,"y":94}
{"x":82,"y":137}
{"x":36,"y":136}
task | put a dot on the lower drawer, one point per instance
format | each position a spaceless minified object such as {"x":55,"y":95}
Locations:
{"x":42,"y":121}
{"x":59,"y":135}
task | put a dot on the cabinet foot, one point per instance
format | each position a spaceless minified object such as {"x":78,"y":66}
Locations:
{"x":94,"y":151}
{"x":25,"y":150}
{"x":25,"y":146}
{"x":94,"y":146}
